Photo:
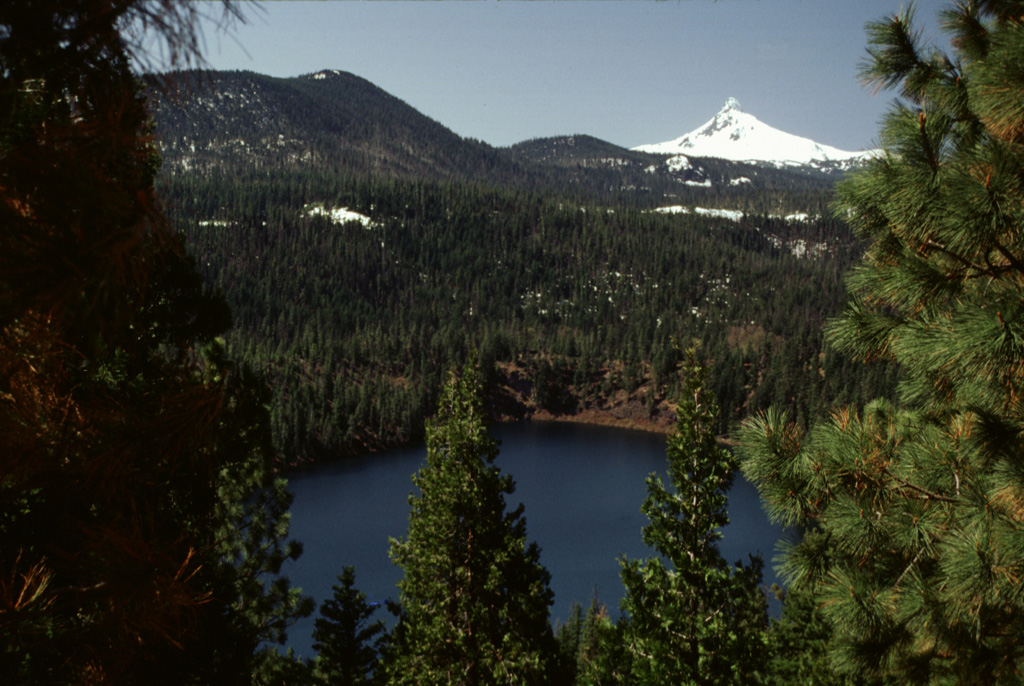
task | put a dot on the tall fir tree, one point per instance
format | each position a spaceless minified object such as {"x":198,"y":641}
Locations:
{"x":346,"y":641}
{"x":693,"y":619}
{"x":602,"y":658}
{"x":474,"y":596}
{"x":915,"y":511}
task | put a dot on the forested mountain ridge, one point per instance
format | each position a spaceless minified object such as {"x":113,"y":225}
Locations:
{"x":364,"y":249}
{"x":336,"y":122}
{"x":330,"y":120}
{"x":653,"y":179}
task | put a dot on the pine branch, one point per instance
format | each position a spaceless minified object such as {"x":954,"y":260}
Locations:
{"x":928,"y":495}
{"x":934,"y":245}
{"x":910,"y":566}
{"x":1016,"y":263}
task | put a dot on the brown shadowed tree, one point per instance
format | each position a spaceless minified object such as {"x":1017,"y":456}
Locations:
{"x":122,"y":554}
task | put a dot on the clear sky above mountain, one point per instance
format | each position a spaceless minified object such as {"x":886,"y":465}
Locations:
{"x":630,"y":73}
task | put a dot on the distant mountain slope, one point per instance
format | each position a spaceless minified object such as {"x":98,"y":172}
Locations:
{"x":241,"y":124}
{"x":733,"y":134}
{"x":635,"y":171}
{"x":579,"y":149}
{"x":661,"y":175}
{"x":330,"y":120}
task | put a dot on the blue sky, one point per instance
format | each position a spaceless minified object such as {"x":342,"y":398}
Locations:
{"x":627,"y":71}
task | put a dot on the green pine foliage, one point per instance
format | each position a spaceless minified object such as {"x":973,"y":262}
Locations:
{"x":693,"y":619}
{"x":474,"y":596}
{"x":590,"y":646}
{"x":568,"y":637}
{"x":602,"y":658}
{"x":275,"y":668}
{"x":347,"y":643}
{"x":799,"y":645}
{"x":252,"y":520}
{"x":915,"y":510}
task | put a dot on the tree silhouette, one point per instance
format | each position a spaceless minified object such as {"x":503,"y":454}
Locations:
{"x":122,"y":418}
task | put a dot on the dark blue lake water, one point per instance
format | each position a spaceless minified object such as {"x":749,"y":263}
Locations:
{"x":582,"y":487}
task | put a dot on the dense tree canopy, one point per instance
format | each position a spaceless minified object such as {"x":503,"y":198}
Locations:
{"x":914,"y":510}
{"x":346,"y":642}
{"x":557,"y":268}
{"x":352,"y":322}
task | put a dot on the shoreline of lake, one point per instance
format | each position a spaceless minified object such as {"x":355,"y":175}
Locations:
{"x":613,"y":417}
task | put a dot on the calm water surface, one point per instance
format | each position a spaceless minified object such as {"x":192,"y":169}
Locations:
{"x":582,"y":487}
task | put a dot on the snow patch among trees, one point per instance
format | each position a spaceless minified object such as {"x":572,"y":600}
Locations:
{"x":339,"y":215}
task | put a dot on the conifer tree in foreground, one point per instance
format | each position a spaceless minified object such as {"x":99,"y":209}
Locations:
{"x":590,"y":647}
{"x":141,"y":524}
{"x":475,"y":596}
{"x":343,"y":634}
{"x":799,"y":646}
{"x":693,"y":619}
{"x":602,"y":658}
{"x":916,"y":511}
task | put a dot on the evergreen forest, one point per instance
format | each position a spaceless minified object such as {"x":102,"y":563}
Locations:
{"x":207,"y":278}
{"x":353,"y":292}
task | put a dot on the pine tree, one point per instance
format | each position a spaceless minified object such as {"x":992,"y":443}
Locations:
{"x":799,"y":645}
{"x":917,"y":508}
{"x":250,"y":527}
{"x":122,"y":419}
{"x":602,"y":658}
{"x":474,"y":596}
{"x":693,"y":619}
{"x":567,"y":638}
{"x":343,"y":634}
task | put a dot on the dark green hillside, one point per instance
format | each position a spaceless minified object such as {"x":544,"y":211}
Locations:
{"x":330,"y":121}
{"x":333,"y":123}
{"x":580,"y":150}
{"x":356,"y":323}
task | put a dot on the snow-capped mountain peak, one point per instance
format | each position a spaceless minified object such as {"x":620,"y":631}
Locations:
{"x":733,"y":134}
{"x":732,"y":104}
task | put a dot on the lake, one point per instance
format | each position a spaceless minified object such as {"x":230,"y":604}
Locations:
{"x":582,"y":487}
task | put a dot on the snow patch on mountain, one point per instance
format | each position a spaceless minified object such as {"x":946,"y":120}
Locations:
{"x":339,"y":215}
{"x":734,"y":215}
{"x":798,"y":247}
{"x":325,"y":74}
{"x":733,"y":134}
{"x":678,"y":163}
